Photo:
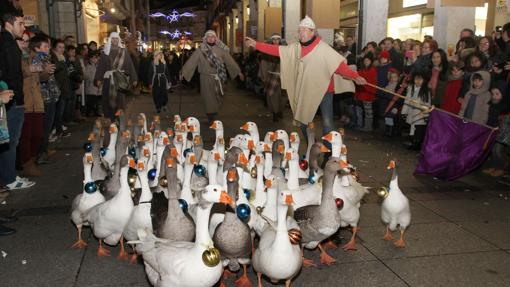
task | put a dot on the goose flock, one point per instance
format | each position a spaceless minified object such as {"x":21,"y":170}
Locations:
{"x":195,"y":216}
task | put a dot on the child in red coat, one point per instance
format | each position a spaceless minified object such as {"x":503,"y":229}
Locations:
{"x":451,"y":101}
{"x":366,"y":94}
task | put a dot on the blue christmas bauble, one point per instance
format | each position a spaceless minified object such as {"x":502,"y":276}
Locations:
{"x":311,"y":179}
{"x":102,"y":151}
{"x":183,"y":204}
{"x":151,"y":174}
{"x":87,"y":147}
{"x":243,"y":211}
{"x":132,"y":152}
{"x":199,"y":170}
{"x":283,"y":170}
{"x":186,"y":151}
{"x":247,"y":193}
{"x":303,"y":157}
{"x":90,"y":187}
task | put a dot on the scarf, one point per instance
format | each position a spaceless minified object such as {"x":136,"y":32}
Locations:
{"x":213,"y":58}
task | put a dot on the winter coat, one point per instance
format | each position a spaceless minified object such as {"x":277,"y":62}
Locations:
{"x":483,"y":96}
{"x":451,"y":94}
{"x":415,"y":115}
{"x":31,"y":88}
{"x":10,"y":64}
{"x":88,"y":75}
{"x":366,"y":93}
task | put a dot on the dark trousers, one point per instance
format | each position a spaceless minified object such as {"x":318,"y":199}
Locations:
{"x":92,"y":106}
{"x":15,"y":118}
{"x":31,"y":136}
{"x":50,"y":110}
{"x":59,"y":113}
{"x":69,"y":109}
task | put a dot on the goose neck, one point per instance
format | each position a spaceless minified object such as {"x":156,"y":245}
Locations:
{"x":87,"y":173}
{"x":202,"y":225}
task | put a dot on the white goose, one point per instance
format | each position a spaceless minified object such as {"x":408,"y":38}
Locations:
{"x":141,"y":215}
{"x":186,"y":193}
{"x":108,"y":219}
{"x":109,"y":157}
{"x":276,"y":257}
{"x":180,"y":264}
{"x":395,"y":209}
{"x":284,"y":136}
{"x":253,"y":130}
{"x":162,"y":141}
{"x":89,"y":198}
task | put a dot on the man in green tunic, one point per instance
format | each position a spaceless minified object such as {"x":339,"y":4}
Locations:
{"x":213,"y":60}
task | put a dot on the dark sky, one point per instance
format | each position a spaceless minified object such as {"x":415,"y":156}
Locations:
{"x":175,"y":4}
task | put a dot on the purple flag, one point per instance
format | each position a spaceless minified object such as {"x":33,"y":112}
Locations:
{"x":453,"y":147}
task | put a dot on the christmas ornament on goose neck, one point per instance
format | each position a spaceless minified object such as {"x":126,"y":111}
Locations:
{"x":151,"y":174}
{"x":87,"y":147}
{"x":183,"y":204}
{"x":211,"y":257}
{"x":247,"y":193}
{"x":199,"y":170}
{"x":186,"y":151}
{"x":90,"y":187}
{"x":102,"y":151}
{"x":243,"y":211}
{"x":132,"y":152}
{"x":163,"y":182}
{"x":339,"y":203}
{"x":382,"y":192}
{"x":303,"y":164}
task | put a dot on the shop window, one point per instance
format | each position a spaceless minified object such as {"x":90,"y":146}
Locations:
{"x":481,"y":19}
{"x":405,"y":27}
{"x":411,"y":3}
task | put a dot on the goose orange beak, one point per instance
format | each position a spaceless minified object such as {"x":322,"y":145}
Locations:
{"x":166,"y":141}
{"x":214,"y":126}
{"x":217,"y":156}
{"x":118,"y":113}
{"x":225,"y":199}
{"x":288,"y":199}
{"x":273,"y":136}
{"x":251,"y":145}
{"x":126,"y":134}
{"x":392,"y":164}
{"x":288,"y":156}
{"x":231,"y":175}
{"x":292,"y":138}
{"x":173,"y":152}
{"x":89,"y":158}
{"x":267,"y":148}
{"x":191,"y":128}
{"x":328,"y":137}
{"x":343,"y":150}
{"x":132,"y":163}
{"x":193,"y":159}
{"x":258,"y":159}
{"x":280,"y":148}
{"x":324,"y":149}
{"x":179,"y":138}
{"x":169,"y":132}
{"x":242,"y":159}
{"x":146,"y":152}
{"x":141,"y":165}
{"x":92,"y":137}
{"x":112,"y":130}
{"x":245,"y":127}
{"x":344,"y":164}
{"x":147,"y":137}
{"x":170,"y":162}
{"x":140,"y":138}
{"x":269,"y":183}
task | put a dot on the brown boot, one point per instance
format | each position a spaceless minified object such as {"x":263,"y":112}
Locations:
{"x":51,"y":152}
{"x":31,"y":170}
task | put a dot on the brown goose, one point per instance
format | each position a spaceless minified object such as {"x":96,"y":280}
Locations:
{"x":233,"y":237}
{"x":318,"y":222}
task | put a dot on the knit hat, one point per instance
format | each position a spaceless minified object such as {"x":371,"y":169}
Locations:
{"x":307,"y":22}
{"x":384,"y":54}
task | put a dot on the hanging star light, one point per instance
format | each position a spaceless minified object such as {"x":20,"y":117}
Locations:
{"x":174,"y":16}
{"x":175,"y":34}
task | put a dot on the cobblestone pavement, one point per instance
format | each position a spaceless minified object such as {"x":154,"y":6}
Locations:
{"x":458,"y":236}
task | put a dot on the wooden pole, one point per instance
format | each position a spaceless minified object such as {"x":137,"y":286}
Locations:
{"x":427,"y":108}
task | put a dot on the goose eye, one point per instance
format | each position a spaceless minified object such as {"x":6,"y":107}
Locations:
{"x":215,"y":189}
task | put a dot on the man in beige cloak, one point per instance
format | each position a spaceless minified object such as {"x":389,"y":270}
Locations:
{"x":311,"y":72}
{"x":213,"y":61}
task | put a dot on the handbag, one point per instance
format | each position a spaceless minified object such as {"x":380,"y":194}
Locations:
{"x":120,"y":78}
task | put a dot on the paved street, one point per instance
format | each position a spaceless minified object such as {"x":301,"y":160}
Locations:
{"x":458,"y":235}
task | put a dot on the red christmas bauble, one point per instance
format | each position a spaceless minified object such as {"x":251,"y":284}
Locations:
{"x":303,"y":164}
{"x":339,"y":203}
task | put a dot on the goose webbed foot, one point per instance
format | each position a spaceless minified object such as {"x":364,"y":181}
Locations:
{"x":243,"y":281}
{"x":326,"y":259}
{"x":387,"y":235}
{"x":101,"y":251}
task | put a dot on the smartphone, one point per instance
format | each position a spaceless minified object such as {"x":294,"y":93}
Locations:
{"x":409,"y":54}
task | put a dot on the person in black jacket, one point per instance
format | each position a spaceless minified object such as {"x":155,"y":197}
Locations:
{"x":64,"y":84}
{"x":10,"y":65}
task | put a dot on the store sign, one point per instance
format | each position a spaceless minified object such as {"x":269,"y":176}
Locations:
{"x":411,"y":3}
{"x":30,"y":20}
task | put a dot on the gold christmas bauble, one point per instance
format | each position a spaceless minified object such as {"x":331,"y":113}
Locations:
{"x":132,"y":180}
{"x":295,"y":236}
{"x":163,"y":181}
{"x":259,"y":209}
{"x":382,"y":192}
{"x":211,"y":257}
{"x":253,"y":172}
